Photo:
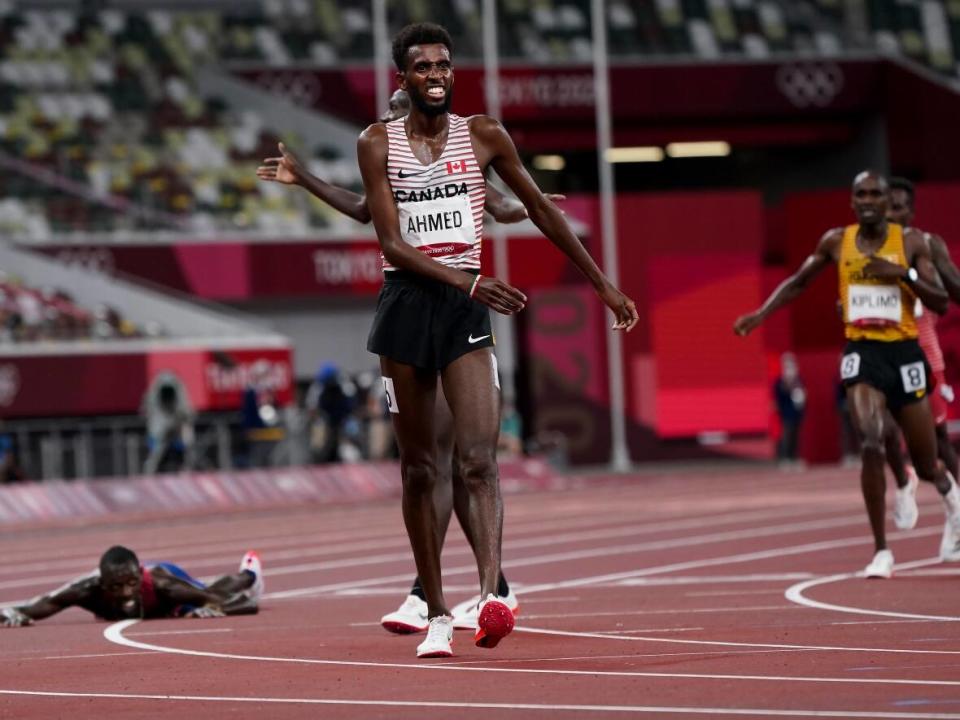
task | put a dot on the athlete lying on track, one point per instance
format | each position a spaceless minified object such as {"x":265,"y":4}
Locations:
{"x":121,"y":588}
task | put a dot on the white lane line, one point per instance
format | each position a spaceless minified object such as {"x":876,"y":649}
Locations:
{"x":725,"y":643}
{"x":402,"y":554}
{"x":795,"y":594}
{"x":732,"y":593}
{"x":610,"y":550}
{"x":711,"y":562}
{"x":664,"y":611}
{"x":85,"y":656}
{"x":578,"y":528}
{"x":641,"y":630}
{"x":717,"y":579}
{"x":114,"y":634}
{"x":699,"y":654}
{"x":181,"y":632}
{"x":673,"y":710}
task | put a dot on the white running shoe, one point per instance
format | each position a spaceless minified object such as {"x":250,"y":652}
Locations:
{"x":439,"y":642}
{"x":905,"y":510}
{"x":950,"y":542}
{"x":251,"y":562}
{"x":410,"y":617}
{"x":881,"y":566}
{"x":466,"y":613}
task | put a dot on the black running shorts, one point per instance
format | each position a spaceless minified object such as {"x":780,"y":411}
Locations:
{"x":426,"y":323}
{"x":898,"y":369}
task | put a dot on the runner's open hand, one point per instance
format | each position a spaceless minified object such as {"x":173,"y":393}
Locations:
{"x":285,"y":169}
{"x":498,"y":295}
{"x":884,"y":269}
{"x":207,"y":611}
{"x":746,"y":324}
{"x":11,"y":617}
{"x":623,"y":307}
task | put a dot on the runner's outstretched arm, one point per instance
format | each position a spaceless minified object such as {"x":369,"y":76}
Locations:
{"x":497,"y":144}
{"x":505,"y":209}
{"x":41,"y":607}
{"x":791,"y":288}
{"x":288,"y":170}
{"x":372,"y":158}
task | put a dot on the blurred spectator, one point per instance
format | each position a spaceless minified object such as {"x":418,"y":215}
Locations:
{"x":331,"y":401}
{"x":296,"y":424}
{"x":791,"y":400}
{"x":377,"y":428}
{"x":510,"y":443}
{"x":262,"y":423}
{"x":170,"y":417}
{"x":10,"y":470}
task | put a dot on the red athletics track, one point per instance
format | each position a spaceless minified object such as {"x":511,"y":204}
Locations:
{"x":687,"y":594}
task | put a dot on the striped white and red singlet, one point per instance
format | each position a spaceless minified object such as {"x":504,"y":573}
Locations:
{"x":927,"y":337}
{"x":440,"y":204}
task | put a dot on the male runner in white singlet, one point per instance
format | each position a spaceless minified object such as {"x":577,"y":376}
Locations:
{"x":424,"y":181}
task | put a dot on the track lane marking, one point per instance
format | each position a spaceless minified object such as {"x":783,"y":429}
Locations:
{"x":795,"y":594}
{"x":493,"y":706}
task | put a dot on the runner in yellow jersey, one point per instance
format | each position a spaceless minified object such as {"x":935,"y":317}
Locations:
{"x":882,"y":269}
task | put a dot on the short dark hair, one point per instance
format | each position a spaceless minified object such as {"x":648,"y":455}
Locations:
{"x":418,"y":34}
{"x":901,"y":183}
{"x":117,"y":556}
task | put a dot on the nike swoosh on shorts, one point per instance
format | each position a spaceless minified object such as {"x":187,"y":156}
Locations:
{"x":473,"y":340}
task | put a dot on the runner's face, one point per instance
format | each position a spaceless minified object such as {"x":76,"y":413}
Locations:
{"x":428,"y":78}
{"x":121,"y":588}
{"x":900,"y":210}
{"x":870,"y":199}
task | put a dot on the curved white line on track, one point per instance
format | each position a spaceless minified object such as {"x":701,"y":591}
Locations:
{"x":795,"y":594}
{"x":494,"y":706}
{"x":114,"y":634}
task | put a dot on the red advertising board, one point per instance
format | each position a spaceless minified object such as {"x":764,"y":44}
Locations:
{"x":230,"y":271}
{"x":114,"y":383}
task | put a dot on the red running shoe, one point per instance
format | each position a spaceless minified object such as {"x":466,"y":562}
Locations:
{"x":494,"y":622}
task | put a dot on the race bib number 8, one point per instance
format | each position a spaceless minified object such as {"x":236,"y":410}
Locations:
{"x":850,"y":366}
{"x":914,"y":377}
{"x":873,"y":305}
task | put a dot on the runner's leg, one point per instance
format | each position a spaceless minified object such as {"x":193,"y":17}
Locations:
{"x":413,"y":422}
{"x":916,"y":421}
{"x":868,"y":411}
{"x":468,"y":383}
{"x":893,"y":445}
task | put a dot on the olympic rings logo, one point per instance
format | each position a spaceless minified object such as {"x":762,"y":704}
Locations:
{"x":810,"y":84}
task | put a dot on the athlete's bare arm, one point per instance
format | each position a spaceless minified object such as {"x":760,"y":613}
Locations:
{"x":372,"y":158}
{"x":927,"y":287}
{"x":494,"y":147}
{"x":505,"y":209}
{"x":828,"y":250}
{"x":208,"y":604}
{"x":946,"y":269}
{"x":44,"y":606}
{"x":288,"y":170}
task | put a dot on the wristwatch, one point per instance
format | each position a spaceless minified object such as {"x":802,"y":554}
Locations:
{"x":912,"y":276}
